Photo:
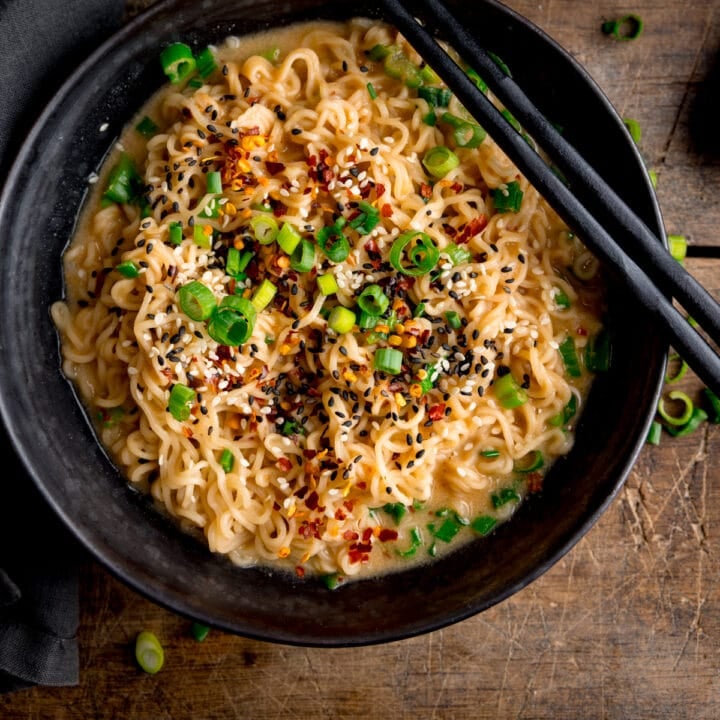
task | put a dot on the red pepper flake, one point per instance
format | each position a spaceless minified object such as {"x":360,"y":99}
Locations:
{"x":362,"y":485}
{"x":371,"y":247}
{"x":386,"y":210}
{"x":581,"y":331}
{"x":472,"y":228}
{"x":284,"y":464}
{"x":534,"y":482}
{"x":312,"y":501}
{"x":309,"y":454}
{"x":340,"y":514}
{"x":367,"y":534}
{"x":349,"y":504}
{"x":386,"y":535}
{"x":350,"y":535}
{"x":379,"y":190}
{"x":300,"y":571}
{"x":436,"y":412}
{"x":457,"y":187}
{"x":274,"y":167}
{"x":279,"y":209}
{"x":425,"y":191}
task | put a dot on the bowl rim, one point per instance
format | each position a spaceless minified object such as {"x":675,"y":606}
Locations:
{"x":150,"y":15}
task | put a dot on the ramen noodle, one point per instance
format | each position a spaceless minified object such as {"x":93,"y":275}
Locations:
{"x":327,"y":325}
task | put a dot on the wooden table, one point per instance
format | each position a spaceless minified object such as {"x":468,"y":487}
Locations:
{"x":627,"y":625}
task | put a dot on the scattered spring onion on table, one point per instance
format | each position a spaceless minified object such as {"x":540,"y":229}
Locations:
{"x":149,"y":652}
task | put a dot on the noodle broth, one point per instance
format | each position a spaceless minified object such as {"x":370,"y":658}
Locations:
{"x":304,"y":447}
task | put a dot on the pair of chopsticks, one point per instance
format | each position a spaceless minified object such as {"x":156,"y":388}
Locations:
{"x":592,"y":208}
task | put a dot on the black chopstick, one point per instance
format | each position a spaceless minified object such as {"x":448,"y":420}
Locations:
{"x":661,"y":278}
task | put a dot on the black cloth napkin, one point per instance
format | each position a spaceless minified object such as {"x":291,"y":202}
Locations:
{"x":41,"y":41}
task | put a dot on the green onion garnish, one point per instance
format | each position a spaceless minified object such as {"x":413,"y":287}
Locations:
{"x":415,"y":543}
{"x":367,"y":321}
{"x":200,"y":237}
{"x":214,"y":183}
{"x":684,"y":417}
{"x":466,"y":134}
{"x":146,"y":127}
{"x":435,"y":96}
{"x":229,"y":327}
{"x":430,"y":119}
{"x":655,"y":433}
{"x":598,"y":352}
{"x":263,"y":295}
{"x":633,"y":127}
{"x":509,"y":198}
{"x":500,"y":63}
{"x":366,"y":220}
{"x":199,"y":631}
{"x":148,"y":652}
{"x":175,"y":233}
{"x":682,"y":369}
{"x":227,"y":460}
{"x":483,"y":524}
{"x":512,"y":119}
{"x":341,"y":319}
{"x":272,"y":54}
{"x":439,"y":161}
{"x":388,"y":360}
{"x":561,"y":299}
{"x":698,"y":417}
{"x":567,"y":413}
{"x":180,"y":402}
{"x":205,"y":63}
{"x":379,"y":52}
{"x":503,"y":497}
{"x":447,"y":530}
{"x":371,"y":91}
{"x":240,"y":305}
{"x":327,"y":284}
{"x":373,"y":300}
{"x":177,"y":62}
{"x":396,"y":511}
{"x":714,"y":403}
{"x":303,"y":257}
{"x":532,"y":461}
{"x":265,"y":228}
{"x":332,"y":241}
{"x":128,"y":269}
{"x":288,"y":238}
{"x":398,"y":66}
{"x":422,"y":253}
{"x":196,"y":301}
{"x":678,"y":246}
{"x":419,"y":310}
{"x":627,"y":27}
{"x":570,"y":358}
{"x":509,"y":394}
{"x":458,"y":255}
{"x":480,"y":84}
{"x":490,"y":453}
{"x":232,"y":262}
{"x":453,"y":319}
{"x":124,"y":183}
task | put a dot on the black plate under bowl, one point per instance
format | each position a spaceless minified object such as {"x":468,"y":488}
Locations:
{"x":50,"y":430}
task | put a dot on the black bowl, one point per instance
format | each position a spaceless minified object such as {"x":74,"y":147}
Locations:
{"x":50,"y":430}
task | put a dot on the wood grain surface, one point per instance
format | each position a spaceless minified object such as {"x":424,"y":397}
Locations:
{"x":626,"y":626}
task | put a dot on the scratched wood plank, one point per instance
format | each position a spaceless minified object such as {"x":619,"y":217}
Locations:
{"x":626,"y":626}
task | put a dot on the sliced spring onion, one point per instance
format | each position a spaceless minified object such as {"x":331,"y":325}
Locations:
{"x":175,"y":233}
{"x":652,"y":174}
{"x":199,"y":631}
{"x":419,"y":310}
{"x":415,"y":543}
{"x":435,"y":96}
{"x":288,"y":238}
{"x":509,"y":198}
{"x":367,"y":321}
{"x":598,"y":352}
{"x":655,"y":433}
{"x":627,"y":27}
{"x":699,"y":416}
{"x":480,"y":84}
{"x":333,"y":581}
{"x":398,"y":66}
{"x":428,"y":75}
{"x":430,"y":119}
{"x":453,"y":319}
{"x":303,"y":257}
{"x":263,"y":295}
{"x":292,"y":427}
{"x":272,"y":54}
{"x":439,"y":161}
{"x":530,"y":463}
{"x":124,"y":183}
{"x":490,"y":453}
{"x":503,"y":497}
{"x":422,"y":253}
{"x":195,"y":83}
{"x":684,"y":417}
{"x":633,"y":127}
{"x":265,"y":228}
{"x":214,"y":183}
{"x":509,"y":394}
{"x":366,"y":220}
{"x":196,"y":301}
{"x":332,"y":241}
{"x":373,"y":301}
{"x":500,"y":63}
{"x":714,"y":402}
{"x":569,"y":356}
{"x":458,"y":255}
{"x":561,"y":299}
{"x":149,"y":652}
{"x":682,"y":369}
{"x":483,"y":524}
{"x":512,"y":119}
{"x":388,"y":360}
{"x":585,"y":266}
{"x":128,"y":269}
{"x":371,"y":91}
{"x":229,"y":327}
{"x":466,"y":134}
{"x":200,"y":235}
{"x":396,"y":511}
{"x":677,"y":245}
{"x":180,"y":402}
{"x":232,"y":262}
{"x":327,"y":284}
{"x":227,"y":460}
{"x":147,"y":127}
{"x":241,"y":305}
{"x":567,"y":413}
{"x":379,"y":52}
{"x":341,"y":319}
{"x":205,"y":63}
{"x":431,"y":375}
{"x":177,"y":61}
{"x":447,"y":530}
